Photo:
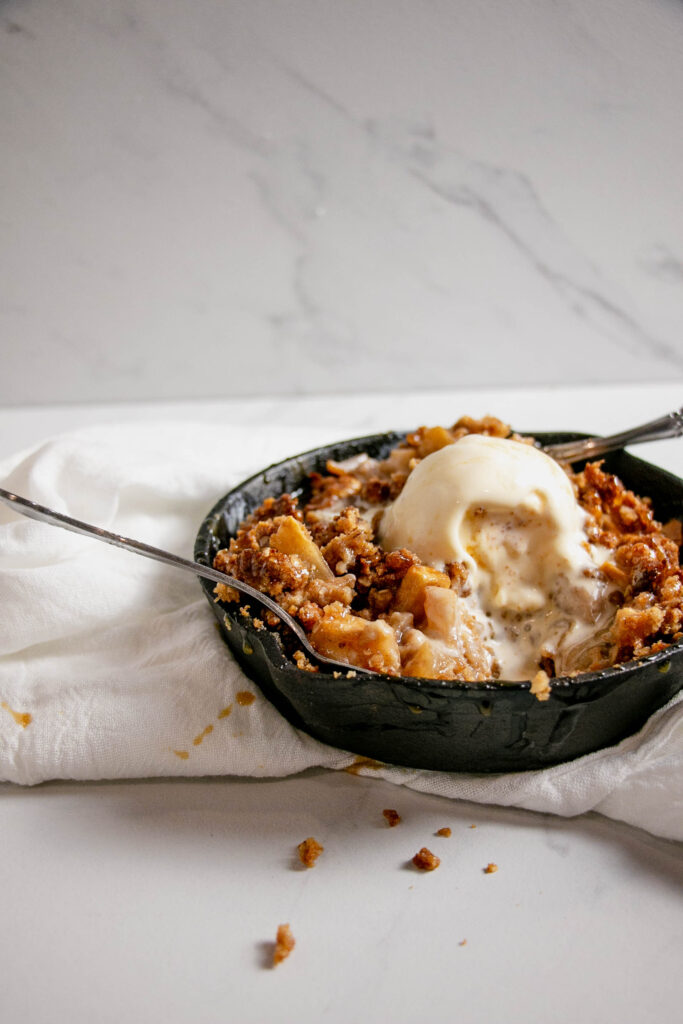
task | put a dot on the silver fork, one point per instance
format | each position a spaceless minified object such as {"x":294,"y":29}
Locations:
{"x":670,"y":425}
{"x":47,"y":515}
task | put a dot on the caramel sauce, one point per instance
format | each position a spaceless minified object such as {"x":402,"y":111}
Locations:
{"x":205,"y":732}
{"x":22,"y":718}
{"x":225,"y":712}
{"x":244,"y":698}
{"x":362,"y":762}
{"x":182,"y":754}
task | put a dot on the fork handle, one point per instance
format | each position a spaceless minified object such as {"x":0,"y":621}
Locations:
{"x":670,"y":425}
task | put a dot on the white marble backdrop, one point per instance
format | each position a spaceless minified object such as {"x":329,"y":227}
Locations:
{"x":206,"y":198}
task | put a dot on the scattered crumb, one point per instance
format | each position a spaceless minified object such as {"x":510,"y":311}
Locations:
{"x":393,"y":817}
{"x":284,"y":944}
{"x":309,"y":851}
{"x":244,"y":698}
{"x":540,"y":685}
{"x":445,"y":832}
{"x":258,"y":623}
{"x":473,"y":826}
{"x":463,"y":942}
{"x":303,"y":663}
{"x":351,"y":674}
{"x":490,"y":869}
{"x":244,"y":610}
{"x":425,"y":860}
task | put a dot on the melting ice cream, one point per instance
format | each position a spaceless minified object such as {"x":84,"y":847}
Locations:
{"x":508,"y":512}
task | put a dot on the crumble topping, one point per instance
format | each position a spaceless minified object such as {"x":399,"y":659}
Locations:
{"x":386,"y":610}
{"x":393,"y":818}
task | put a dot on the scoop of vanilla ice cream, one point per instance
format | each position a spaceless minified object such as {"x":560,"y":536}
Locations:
{"x":508,"y":512}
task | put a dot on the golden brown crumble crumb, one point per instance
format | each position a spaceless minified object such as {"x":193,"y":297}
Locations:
{"x":540,"y":685}
{"x":445,"y":832}
{"x":463,"y":942}
{"x":284,"y":944}
{"x":309,"y":851}
{"x":425,"y":860}
{"x":393,"y":817}
{"x":473,"y":826}
{"x":490,"y":869}
{"x":303,"y":663}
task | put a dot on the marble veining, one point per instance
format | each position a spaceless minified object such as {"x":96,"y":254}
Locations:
{"x":235,"y":199}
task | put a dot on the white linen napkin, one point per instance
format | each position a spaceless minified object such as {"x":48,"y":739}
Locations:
{"x":111,"y":666}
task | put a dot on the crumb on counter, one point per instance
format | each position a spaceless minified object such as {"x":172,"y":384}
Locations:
{"x":463,"y":942}
{"x":393,"y":817}
{"x":425,"y":860}
{"x":490,"y":869}
{"x":309,"y":851}
{"x":284,"y":944}
{"x":445,"y":832}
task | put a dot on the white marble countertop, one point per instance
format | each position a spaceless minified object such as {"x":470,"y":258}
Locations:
{"x":158,"y":900}
{"x":208,"y":199}
{"x":333,"y":206}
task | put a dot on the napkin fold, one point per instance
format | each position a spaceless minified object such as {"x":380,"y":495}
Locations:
{"x":111,"y":666}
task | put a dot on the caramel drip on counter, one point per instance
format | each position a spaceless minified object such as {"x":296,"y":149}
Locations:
{"x":182,"y":754}
{"x":244,"y":698}
{"x":22,"y":718}
{"x":225,"y":712}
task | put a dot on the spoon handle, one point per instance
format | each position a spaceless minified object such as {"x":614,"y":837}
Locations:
{"x":670,"y":425}
{"x":48,"y":515}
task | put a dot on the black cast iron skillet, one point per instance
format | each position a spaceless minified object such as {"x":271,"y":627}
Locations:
{"x":437,"y":724}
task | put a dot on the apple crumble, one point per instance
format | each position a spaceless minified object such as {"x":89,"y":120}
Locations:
{"x":467,"y":553}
